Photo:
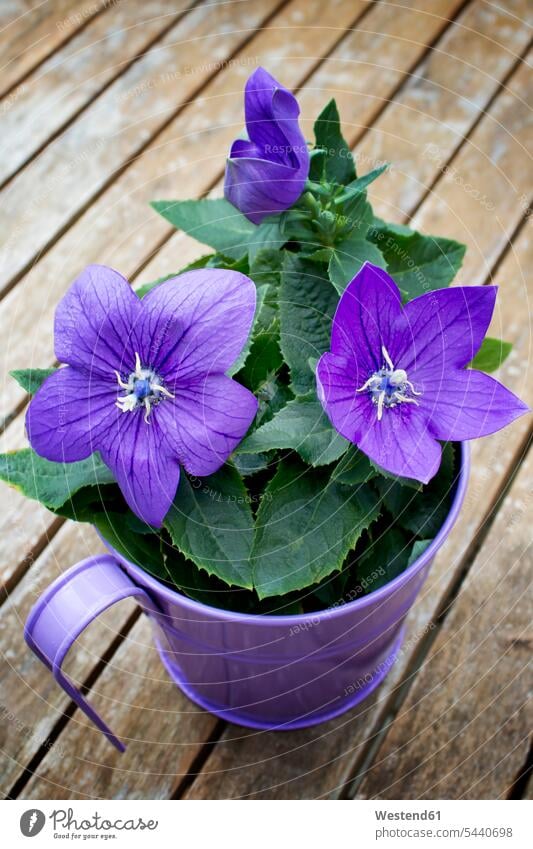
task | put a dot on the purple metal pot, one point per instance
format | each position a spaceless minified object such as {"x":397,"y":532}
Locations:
{"x":273,"y":672}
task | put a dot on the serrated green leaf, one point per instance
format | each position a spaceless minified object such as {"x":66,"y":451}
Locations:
{"x":214,"y":222}
{"x":422,"y":513}
{"x":307,"y":304}
{"x":417,"y":550}
{"x":336,"y":163}
{"x":347,"y":259}
{"x":353,"y":468}
{"x":305,"y":526}
{"x":31,"y":379}
{"x":51,"y":483}
{"x":267,"y":236}
{"x":211,"y":523}
{"x":264,"y":359}
{"x":418,"y":263}
{"x":385,"y":558}
{"x":491,"y":355}
{"x":303,"y":426}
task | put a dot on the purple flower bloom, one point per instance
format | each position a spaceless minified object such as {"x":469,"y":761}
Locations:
{"x":145,"y":383}
{"x":395,"y":380}
{"x":266,"y":172}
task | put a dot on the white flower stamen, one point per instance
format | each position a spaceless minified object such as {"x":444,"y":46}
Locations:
{"x":389,"y":386}
{"x":143,"y":388}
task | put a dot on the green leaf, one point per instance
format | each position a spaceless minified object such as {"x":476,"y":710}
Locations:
{"x":353,"y":468}
{"x":384,"y":559}
{"x":267,"y":236}
{"x":419,"y":263}
{"x":31,"y":379}
{"x":491,"y":355}
{"x":211,"y":523}
{"x":336,"y":164}
{"x":347,"y":259}
{"x":423,"y":513}
{"x":303,"y":426}
{"x":418,"y":549}
{"x":264,"y":359}
{"x":305,"y":526}
{"x":358,"y":186}
{"x":250,"y":464}
{"x":357,"y":215}
{"x":307,"y":304}
{"x":215,"y":222}
{"x":51,"y":483}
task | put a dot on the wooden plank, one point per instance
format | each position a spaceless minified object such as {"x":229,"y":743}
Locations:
{"x":31,"y":700}
{"x":427,"y":122}
{"x":75,"y":74}
{"x":318,"y":761}
{"x":464,"y":730}
{"x":119,"y":227}
{"x":31,"y":31}
{"x":329,"y":750}
{"x":38,"y":204}
{"x":163,"y":733}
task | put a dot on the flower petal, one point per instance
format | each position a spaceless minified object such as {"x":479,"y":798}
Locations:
{"x":196,"y":323}
{"x":266,"y":173}
{"x":369,"y":307}
{"x":401,"y":443}
{"x":145,"y":470}
{"x":206,"y":421}
{"x":95,"y":323}
{"x":445,"y":326}
{"x":467,"y":404}
{"x":71,"y":415}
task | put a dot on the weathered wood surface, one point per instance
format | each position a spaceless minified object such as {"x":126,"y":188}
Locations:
{"x":466,"y":724}
{"x":74,"y":75}
{"x":30,"y":31}
{"x":410,"y":97}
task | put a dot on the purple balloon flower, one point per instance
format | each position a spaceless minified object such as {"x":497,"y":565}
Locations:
{"x":395,"y":381}
{"x":266,"y":172}
{"x":145,"y":383}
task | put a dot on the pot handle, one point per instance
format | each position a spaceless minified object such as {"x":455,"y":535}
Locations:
{"x":64,"y":610}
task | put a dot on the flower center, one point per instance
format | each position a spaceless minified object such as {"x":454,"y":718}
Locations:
{"x":143,"y":389}
{"x":389,"y":386}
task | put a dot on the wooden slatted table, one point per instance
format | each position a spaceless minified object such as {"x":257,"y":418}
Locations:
{"x":107,"y":105}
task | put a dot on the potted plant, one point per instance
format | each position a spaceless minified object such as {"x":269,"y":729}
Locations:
{"x":269,"y":442}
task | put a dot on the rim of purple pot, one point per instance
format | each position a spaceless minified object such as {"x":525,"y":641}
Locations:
{"x":265,"y":619}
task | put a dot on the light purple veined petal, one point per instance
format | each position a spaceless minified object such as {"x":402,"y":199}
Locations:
{"x":369,"y":307}
{"x":145,"y":469}
{"x":196,"y":323}
{"x":260,"y":188}
{"x":271,"y":113}
{"x":206,"y":421}
{"x":95,"y":323}
{"x":72,"y":415}
{"x":443,"y":327}
{"x":467,"y":404}
{"x":337,"y":384}
{"x":401,"y":443}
